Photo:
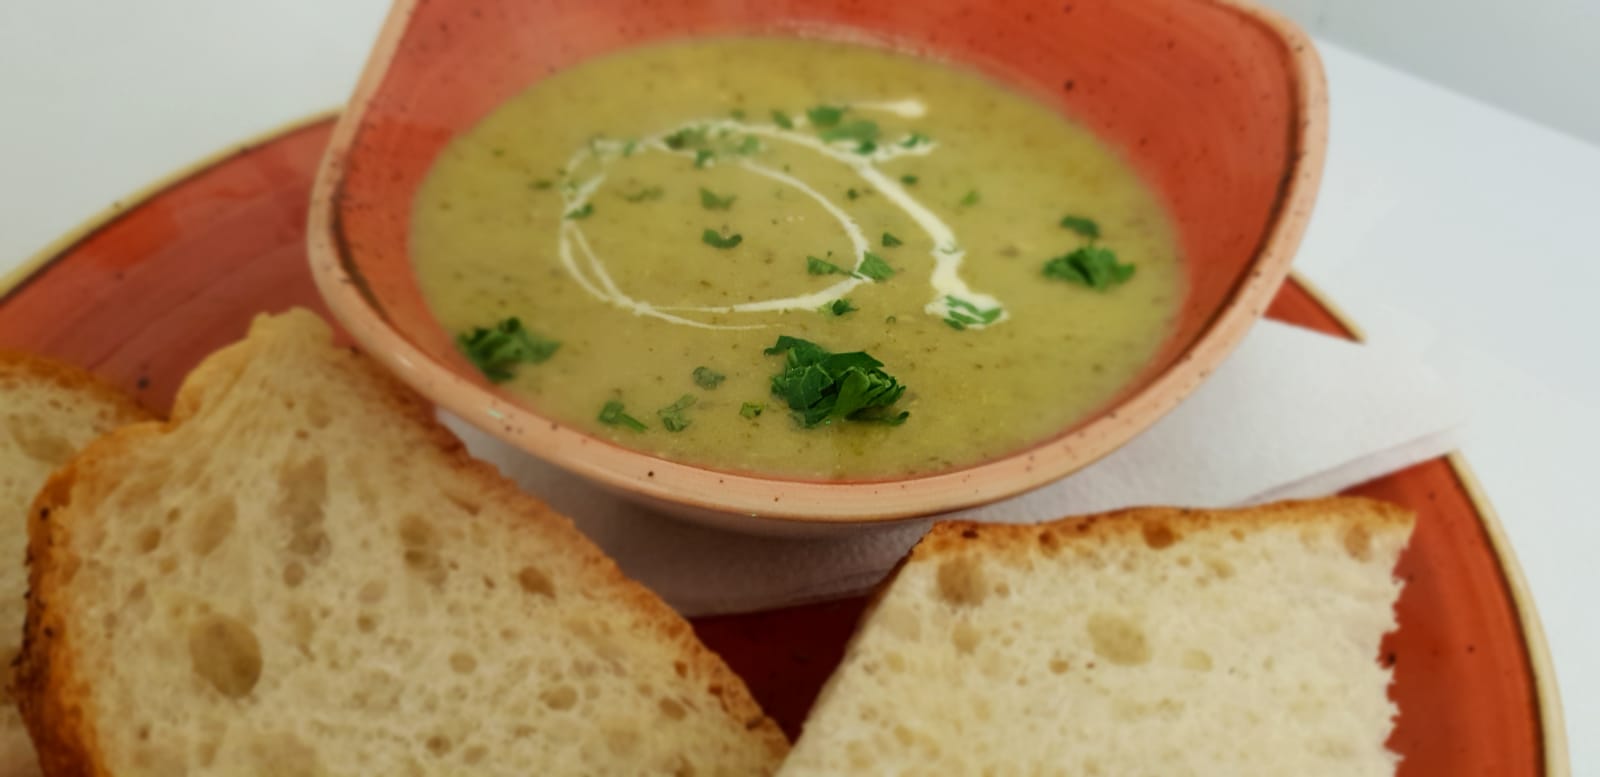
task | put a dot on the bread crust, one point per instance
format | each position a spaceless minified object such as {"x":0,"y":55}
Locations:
{"x":32,"y":367}
{"x":52,"y":694}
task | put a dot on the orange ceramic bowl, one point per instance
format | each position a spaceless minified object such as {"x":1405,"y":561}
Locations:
{"x":1221,"y":107}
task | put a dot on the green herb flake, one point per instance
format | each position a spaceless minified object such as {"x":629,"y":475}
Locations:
{"x":703,"y":157}
{"x":686,"y":138}
{"x":707,"y":378}
{"x":542,"y":184}
{"x":751,"y":409}
{"x":672,"y":416}
{"x":874,"y":267}
{"x":913,"y":140}
{"x":713,"y":238}
{"x":963,"y":314}
{"x":710,"y":200}
{"x":824,"y":116}
{"x":611,"y":415}
{"x":577,"y":214}
{"x":972,"y":197}
{"x":839,"y":307}
{"x":863,"y":133}
{"x":782,"y":120}
{"x":816,"y":266}
{"x":890,"y":241}
{"x":821,"y":386}
{"x":629,"y":147}
{"x":646,"y":194}
{"x":1093,"y":266}
{"x":851,"y":194}
{"x":909,"y":180}
{"x":1083,"y":226}
{"x":496,"y":350}
{"x":750,"y":145}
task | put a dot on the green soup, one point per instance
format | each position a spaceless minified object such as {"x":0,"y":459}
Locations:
{"x":657,"y":219}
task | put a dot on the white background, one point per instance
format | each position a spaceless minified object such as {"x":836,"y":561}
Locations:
{"x":1451,"y":226}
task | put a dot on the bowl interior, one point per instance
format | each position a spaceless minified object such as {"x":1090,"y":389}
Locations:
{"x":1207,"y":100}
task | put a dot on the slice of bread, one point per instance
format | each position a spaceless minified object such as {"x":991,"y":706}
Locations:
{"x":1142,"y":643}
{"x":303,"y":574}
{"x":48,"y":411}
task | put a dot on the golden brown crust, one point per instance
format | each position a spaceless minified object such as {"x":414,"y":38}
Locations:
{"x":51,"y":695}
{"x":39,"y":368}
{"x":1106,"y":528}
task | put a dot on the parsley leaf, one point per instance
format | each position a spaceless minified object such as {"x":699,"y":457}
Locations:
{"x":702,"y":158}
{"x":839,"y":307}
{"x":495,"y":351}
{"x":971,"y":198}
{"x":963,"y":313}
{"x":710,"y":201}
{"x":864,"y":133}
{"x":541,"y":184}
{"x":672,"y":416}
{"x":646,"y":194}
{"x":913,"y":140}
{"x":748,"y":146}
{"x":890,"y":241}
{"x":707,"y":378}
{"x":824,"y":116}
{"x":782,"y":120}
{"x":817,"y":266}
{"x":1083,"y":226}
{"x":629,"y":147}
{"x":581,"y":213}
{"x":611,"y":415}
{"x":909,"y":180}
{"x":713,"y":238}
{"x":874,"y":267}
{"x":688,"y":137}
{"x":851,"y":194}
{"x":751,"y":409}
{"x":1093,"y":266}
{"x":820,"y":386}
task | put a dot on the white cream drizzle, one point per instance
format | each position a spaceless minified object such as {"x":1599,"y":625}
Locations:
{"x":947,"y":252}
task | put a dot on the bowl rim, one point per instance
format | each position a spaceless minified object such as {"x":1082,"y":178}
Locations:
{"x":813,"y":501}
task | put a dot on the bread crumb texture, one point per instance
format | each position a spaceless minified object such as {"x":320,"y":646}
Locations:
{"x":1144,"y":643}
{"x":303,"y":575}
{"x":48,"y":411}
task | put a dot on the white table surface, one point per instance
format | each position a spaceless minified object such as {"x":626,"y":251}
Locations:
{"x":1444,"y":224}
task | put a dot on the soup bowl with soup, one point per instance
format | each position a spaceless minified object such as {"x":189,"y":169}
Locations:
{"x":789,"y":265}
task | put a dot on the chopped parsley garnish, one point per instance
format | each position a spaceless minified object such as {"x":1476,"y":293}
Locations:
{"x":782,"y":120}
{"x":542,"y":184}
{"x":1083,"y":226}
{"x":864,"y":133}
{"x":890,"y":241}
{"x":824,"y":116}
{"x":913,"y":140}
{"x":581,"y":213}
{"x":646,"y":194}
{"x":820,"y":386}
{"x":751,"y":409}
{"x":909,"y":180}
{"x":874,"y":267}
{"x":702,"y":158}
{"x":688,"y":137}
{"x":611,"y":415}
{"x":749,"y":145}
{"x":713,"y":238}
{"x":817,"y":266}
{"x":1091,"y":265}
{"x":629,"y":147}
{"x":963,"y":313}
{"x":495,"y":351}
{"x":839,"y":307}
{"x":851,"y":194}
{"x":707,"y":378}
{"x":672,"y":416}
{"x":711,"y":201}
{"x":971,"y":198}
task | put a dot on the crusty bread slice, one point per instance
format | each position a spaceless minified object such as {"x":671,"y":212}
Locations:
{"x":48,"y":411}
{"x":1142,"y":643}
{"x":303,"y":574}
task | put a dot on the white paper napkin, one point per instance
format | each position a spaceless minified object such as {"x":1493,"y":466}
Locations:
{"x":1292,"y":413}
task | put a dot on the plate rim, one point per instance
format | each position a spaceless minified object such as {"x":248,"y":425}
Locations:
{"x":1552,"y":722}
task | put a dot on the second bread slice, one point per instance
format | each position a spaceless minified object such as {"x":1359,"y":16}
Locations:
{"x":302,"y":574}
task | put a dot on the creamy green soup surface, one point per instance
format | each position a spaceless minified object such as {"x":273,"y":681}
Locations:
{"x":655,"y":220}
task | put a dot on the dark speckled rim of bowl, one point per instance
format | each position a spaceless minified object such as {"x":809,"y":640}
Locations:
{"x":344,"y":277}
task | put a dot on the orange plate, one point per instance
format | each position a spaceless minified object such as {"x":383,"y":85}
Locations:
{"x":142,"y":294}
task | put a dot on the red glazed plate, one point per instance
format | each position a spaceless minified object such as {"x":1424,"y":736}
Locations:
{"x":144,"y":292}
{"x":1219,"y":106}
